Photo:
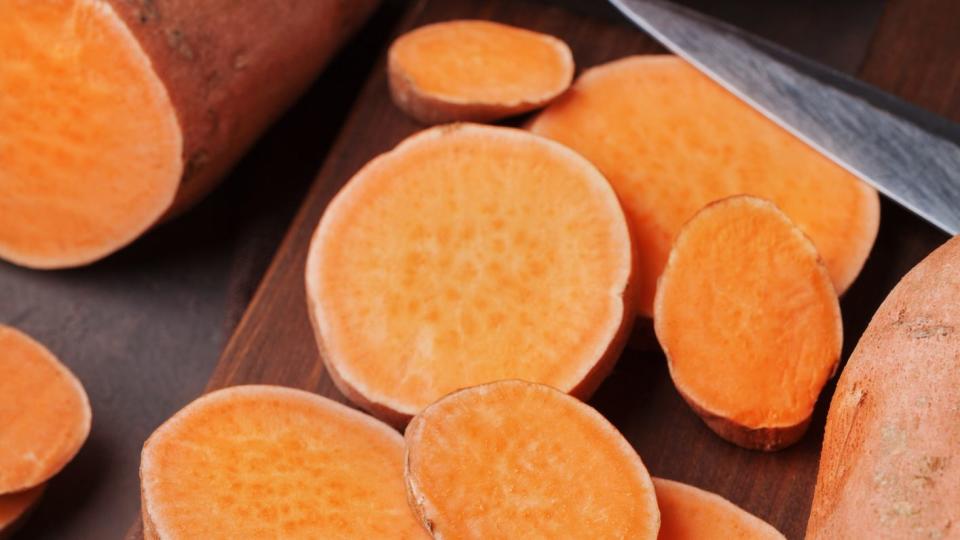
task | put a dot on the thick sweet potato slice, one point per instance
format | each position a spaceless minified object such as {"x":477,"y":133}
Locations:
{"x":890,"y":465}
{"x":514,"y":459}
{"x":466,"y":255}
{"x":671,"y":141}
{"x":476,"y":70}
{"x":114,"y":113}
{"x":14,"y":508}
{"x":273,"y":462}
{"x":749,"y":321}
{"x":689,"y":513}
{"x":44,"y":413}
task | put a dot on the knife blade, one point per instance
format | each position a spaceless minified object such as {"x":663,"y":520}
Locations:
{"x":910,"y":155}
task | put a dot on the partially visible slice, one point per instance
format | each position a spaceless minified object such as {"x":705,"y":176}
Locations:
{"x":476,"y":70}
{"x":14,"y":508}
{"x":750,"y":322}
{"x":273,"y":462}
{"x":514,"y":459}
{"x":44,"y":413}
{"x":689,"y":513}
{"x":467,"y":255}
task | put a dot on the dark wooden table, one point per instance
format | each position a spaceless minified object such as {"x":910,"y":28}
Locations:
{"x":144,"y":329}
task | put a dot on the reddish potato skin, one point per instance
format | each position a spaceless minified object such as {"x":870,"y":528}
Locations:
{"x":890,"y":466}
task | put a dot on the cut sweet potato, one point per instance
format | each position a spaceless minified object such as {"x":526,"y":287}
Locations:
{"x":273,"y":462}
{"x":749,"y":321}
{"x":671,"y":141}
{"x":476,"y":70}
{"x":114,"y":113}
{"x":466,"y":255}
{"x":890,"y":465}
{"x":689,"y":513}
{"x":514,"y":459}
{"x":44,"y":413}
{"x":14,"y":508}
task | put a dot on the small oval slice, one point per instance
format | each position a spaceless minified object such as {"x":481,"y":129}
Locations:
{"x":467,"y":255}
{"x":476,"y":70}
{"x":273,"y":462}
{"x":749,"y":320}
{"x":44,"y":413}
{"x":15,"y":507}
{"x":514,"y":459}
{"x":689,"y":513}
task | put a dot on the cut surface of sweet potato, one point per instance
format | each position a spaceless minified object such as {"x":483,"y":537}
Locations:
{"x":476,"y":70}
{"x":670,"y":141}
{"x":274,"y":462}
{"x":690,"y":513}
{"x":44,"y":413}
{"x":749,"y":320}
{"x":466,"y":255}
{"x":513,"y":459}
{"x":14,"y":508}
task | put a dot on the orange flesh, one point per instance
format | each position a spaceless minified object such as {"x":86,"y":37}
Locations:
{"x":90,"y":148}
{"x":688,"y":513}
{"x":747,"y":315}
{"x":14,"y":505}
{"x":671,"y":141}
{"x":467,"y":255}
{"x":519,"y":460}
{"x":482,"y":62}
{"x":44,"y":413}
{"x":273,"y":462}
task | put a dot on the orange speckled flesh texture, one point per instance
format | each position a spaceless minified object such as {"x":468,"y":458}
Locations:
{"x":466,"y":255}
{"x":671,"y":141}
{"x":689,"y":513}
{"x":274,"y":462}
{"x":514,"y":459}
{"x":14,"y":506}
{"x":890,"y":465}
{"x":747,"y":316}
{"x":44,"y":413}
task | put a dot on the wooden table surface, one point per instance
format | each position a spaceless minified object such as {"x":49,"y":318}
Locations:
{"x":144,"y":329}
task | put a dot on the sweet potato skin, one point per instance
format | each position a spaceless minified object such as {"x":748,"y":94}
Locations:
{"x":890,"y":465}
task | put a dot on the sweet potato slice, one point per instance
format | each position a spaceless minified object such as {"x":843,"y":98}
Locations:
{"x":273,"y":462}
{"x":114,"y":113}
{"x":514,"y":459}
{"x":44,"y":413}
{"x":476,"y":70}
{"x":689,"y":513}
{"x":890,"y":464}
{"x":14,"y":508}
{"x":466,"y":255}
{"x":749,"y":321}
{"x":671,"y":141}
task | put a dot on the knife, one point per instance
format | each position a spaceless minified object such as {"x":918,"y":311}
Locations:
{"x":910,"y":155}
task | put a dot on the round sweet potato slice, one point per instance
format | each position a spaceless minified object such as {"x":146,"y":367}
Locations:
{"x":273,"y":462}
{"x":514,"y":459}
{"x":690,"y":513}
{"x":44,"y":413}
{"x":466,"y":255}
{"x":476,"y":71}
{"x":750,"y":322}
{"x":15,"y":507}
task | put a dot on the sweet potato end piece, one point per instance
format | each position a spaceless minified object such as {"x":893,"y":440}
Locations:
{"x":90,"y":144}
{"x":476,"y":71}
{"x":15,"y":508}
{"x":690,"y":513}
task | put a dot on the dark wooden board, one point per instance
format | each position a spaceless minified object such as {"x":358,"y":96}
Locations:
{"x":274,"y":343}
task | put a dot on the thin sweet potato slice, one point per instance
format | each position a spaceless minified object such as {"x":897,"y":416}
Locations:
{"x":114,"y":113}
{"x":671,"y":141}
{"x":15,"y":507}
{"x":689,"y":513}
{"x":749,"y":320}
{"x":476,"y":70}
{"x":514,"y":459}
{"x":44,"y":413}
{"x":273,"y":462}
{"x":466,"y":255}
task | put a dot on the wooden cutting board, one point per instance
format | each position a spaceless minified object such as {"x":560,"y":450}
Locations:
{"x":274,"y":343}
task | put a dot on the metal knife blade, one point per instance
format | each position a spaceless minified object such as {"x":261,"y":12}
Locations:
{"x":910,"y":155}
